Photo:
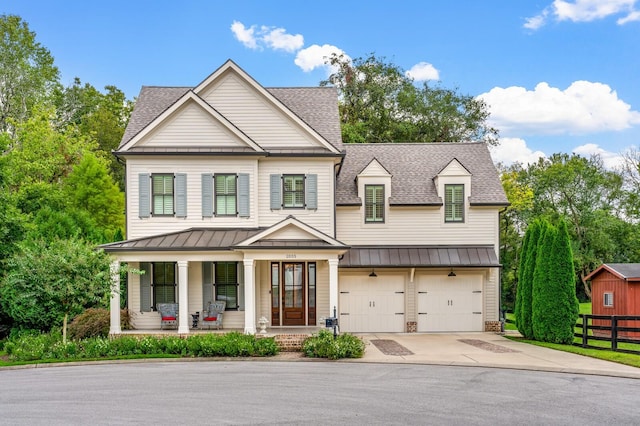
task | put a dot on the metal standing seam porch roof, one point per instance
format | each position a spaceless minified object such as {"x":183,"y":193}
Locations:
{"x":420,"y":256}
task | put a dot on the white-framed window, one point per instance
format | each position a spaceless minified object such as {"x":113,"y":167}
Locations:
{"x":374,"y":203}
{"x":608,"y":299}
{"x":293,"y":191}
{"x":225,"y":195}
{"x":162,"y":194}
{"x":454,"y":203}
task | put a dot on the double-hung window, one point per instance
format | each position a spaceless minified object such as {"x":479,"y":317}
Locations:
{"x":227,"y":283}
{"x":226,"y":195}
{"x":374,"y":203}
{"x":164,"y":282}
{"x":454,"y":203}
{"x":293,"y":191}
{"x":608,"y":300}
{"x":162,"y":193}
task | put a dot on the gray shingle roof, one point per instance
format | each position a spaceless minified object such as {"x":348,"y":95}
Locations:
{"x":624,"y":270}
{"x":316,"y":106}
{"x":413,"y":167}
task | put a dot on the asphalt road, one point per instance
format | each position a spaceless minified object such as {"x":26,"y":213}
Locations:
{"x":332,"y":393}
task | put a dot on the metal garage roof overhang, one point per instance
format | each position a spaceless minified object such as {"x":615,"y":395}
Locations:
{"x":420,"y":257}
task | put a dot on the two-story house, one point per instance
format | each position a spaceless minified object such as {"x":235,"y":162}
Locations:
{"x":246,"y":194}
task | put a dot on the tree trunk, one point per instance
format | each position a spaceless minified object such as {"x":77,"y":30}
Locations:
{"x":585,"y":284}
{"x":64,"y":329}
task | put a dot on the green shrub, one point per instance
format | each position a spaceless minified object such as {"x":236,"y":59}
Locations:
{"x":323,"y":345}
{"x":172,"y":345}
{"x":95,"y":322}
{"x":266,"y":347}
{"x":95,"y":347}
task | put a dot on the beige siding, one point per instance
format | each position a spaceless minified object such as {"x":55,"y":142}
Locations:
{"x":290,"y":232}
{"x":261,"y":120}
{"x":417,"y":225}
{"x":322,"y":218}
{"x":193,"y":167}
{"x":491,"y":295}
{"x":191,"y":125}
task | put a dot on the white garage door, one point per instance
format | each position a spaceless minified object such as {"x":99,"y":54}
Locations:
{"x":450,"y":303}
{"x":372,"y":304}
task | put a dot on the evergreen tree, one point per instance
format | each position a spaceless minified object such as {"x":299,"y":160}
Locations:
{"x":525,"y":285}
{"x":555,"y":306}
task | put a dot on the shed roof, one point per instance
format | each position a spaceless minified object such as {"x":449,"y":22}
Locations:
{"x":626,"y":271}
{"x":414,"y":166}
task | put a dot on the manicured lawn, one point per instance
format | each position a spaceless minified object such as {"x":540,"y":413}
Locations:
{"x":608,"y":355}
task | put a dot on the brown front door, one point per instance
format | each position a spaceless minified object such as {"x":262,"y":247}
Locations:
{"x":293,"y":300}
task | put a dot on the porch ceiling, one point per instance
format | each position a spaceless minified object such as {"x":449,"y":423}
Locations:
{"x":420,"y":256}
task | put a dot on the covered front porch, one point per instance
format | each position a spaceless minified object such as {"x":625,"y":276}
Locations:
{"x":286,"y":274}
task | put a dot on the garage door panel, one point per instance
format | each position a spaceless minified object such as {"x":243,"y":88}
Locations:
{"x":449,"y":303}
{"x":372,"y":304}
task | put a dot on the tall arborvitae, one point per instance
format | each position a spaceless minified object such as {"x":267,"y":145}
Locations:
{"x":542,"y":300}
{"x":555,"y":306}
{"x":521,"y":280}
{"x":525,"y":284}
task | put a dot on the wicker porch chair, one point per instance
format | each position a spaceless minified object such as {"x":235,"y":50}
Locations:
{"x":212,"y":317}
{"x":168,"y":314}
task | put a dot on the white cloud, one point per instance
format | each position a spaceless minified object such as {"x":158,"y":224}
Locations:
{"x":514,"y":150}
{"x":423,"y":71}
{"x":611,"y":160}
{"x":584,"y":11}
{"x":244,"y":35}
{"x":270,"y":37}
{"x":278,"y":39}
{"x":315,"y":56}
{"x":583,"y":107}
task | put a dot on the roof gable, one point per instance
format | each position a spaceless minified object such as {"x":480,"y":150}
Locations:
{"x":291,"y":229}
{"x":625,"y":271}
{"x":179,"y":117}
{"x":242,"y":99}
{"x":454,"y":168}
{"x":374,"y":168}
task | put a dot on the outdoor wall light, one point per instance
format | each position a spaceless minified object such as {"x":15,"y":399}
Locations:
{"x":451,"y":274}
{"x":373,"y":273}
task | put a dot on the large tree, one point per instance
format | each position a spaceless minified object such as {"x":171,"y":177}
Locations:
{"x":591,"y":200}
{"x":380,"y":103}
{"x":27,"y":73}
{"x":48,"y":283}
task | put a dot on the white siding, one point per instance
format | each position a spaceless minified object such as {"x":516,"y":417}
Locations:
{"x":191,"y":126}
{"x":491,"y":299}
{"x":322,"y":218}
{"x":255,"y":115}
{"x":417,"y":225}
{"x":291,"y":232}
{"x":193,"y":167}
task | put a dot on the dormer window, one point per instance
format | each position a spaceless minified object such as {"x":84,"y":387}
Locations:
{"x":374,"y":203}
{"x":454,"y":203}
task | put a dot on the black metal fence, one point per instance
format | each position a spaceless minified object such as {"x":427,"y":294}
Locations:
{"x":612,"y":331}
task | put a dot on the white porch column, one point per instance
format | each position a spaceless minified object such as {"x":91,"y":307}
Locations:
{"x":183,"y":297}
{"x":114,"y":306}
{"x":333,"y":286}
{"x":249,"y":297}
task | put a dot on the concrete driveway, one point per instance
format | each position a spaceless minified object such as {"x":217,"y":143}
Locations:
{"x":482,"y":350}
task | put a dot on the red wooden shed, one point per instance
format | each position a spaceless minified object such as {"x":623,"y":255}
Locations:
{"x":615,"y":290}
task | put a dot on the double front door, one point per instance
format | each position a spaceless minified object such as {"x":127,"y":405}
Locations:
{"x":293,"y":293}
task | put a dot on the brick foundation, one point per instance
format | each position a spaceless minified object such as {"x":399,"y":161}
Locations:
{"x":288,"y":342}
{"x":492,"y":326}
{"x":412,"y":326}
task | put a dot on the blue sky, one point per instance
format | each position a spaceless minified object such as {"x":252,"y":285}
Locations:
{"x":559,"y":75}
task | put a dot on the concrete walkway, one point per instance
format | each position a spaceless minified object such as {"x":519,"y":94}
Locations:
{"x":483,"y":350}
